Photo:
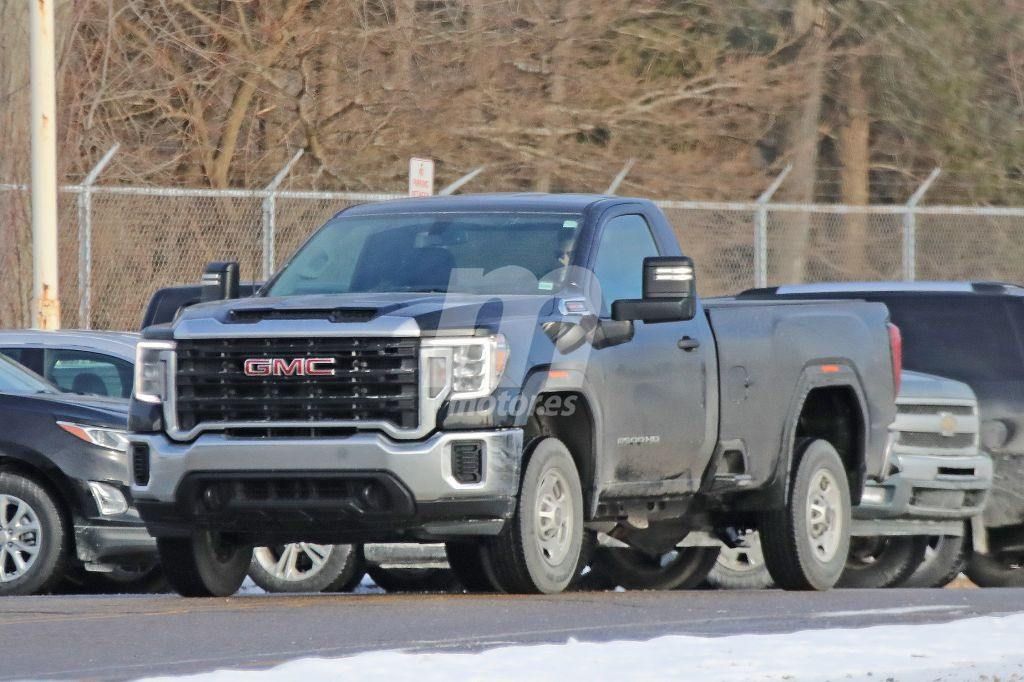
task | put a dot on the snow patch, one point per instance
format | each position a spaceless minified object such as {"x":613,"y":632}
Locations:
{"x":964,"y":649}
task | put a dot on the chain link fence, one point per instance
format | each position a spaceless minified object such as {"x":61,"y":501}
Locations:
{"x":118,"y":244}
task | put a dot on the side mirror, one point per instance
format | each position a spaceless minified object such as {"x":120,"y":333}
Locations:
{"x":669,"y":290}
{"x":220,"y":281}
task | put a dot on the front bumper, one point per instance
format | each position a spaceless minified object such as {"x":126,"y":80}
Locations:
{"x":929,"y":488}
{"x":364,"y":487}
{"x":97,"y":542}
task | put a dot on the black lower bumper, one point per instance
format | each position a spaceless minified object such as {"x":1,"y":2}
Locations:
{"x":339,"y":508}
{"x":110,"y":543}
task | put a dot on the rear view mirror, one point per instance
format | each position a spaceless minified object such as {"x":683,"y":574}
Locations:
{"x":220,"y":281}
{"x":669,"y":290}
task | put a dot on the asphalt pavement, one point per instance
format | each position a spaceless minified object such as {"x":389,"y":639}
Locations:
{"x":123,"y":637}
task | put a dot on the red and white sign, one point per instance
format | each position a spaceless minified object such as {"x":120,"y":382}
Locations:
{"x":421,"y":177}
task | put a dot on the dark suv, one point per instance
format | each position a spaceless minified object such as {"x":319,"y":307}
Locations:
{"x":64,"y":504}
{"x":972,"y":332}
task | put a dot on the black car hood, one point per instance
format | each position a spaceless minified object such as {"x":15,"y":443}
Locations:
{"x":93,"y":410}
{"x":430,"y":311}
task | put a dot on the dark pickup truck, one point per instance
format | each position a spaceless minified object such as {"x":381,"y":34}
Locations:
{"x":508,"y":374}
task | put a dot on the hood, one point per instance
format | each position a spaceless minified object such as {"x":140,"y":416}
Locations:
{"x":919,"y":386}
{"x":430,"y":312}
{"x":94,"y":410}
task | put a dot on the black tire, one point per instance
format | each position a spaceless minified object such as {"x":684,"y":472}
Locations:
{"x":412,"y":579}
{"x":204,"y":565}
{"x":687,"y":568}
{"x":945,"y":559}
{"x":27,"y":502}
{"x":522,"y":560}
{"x":995,"y":571}
{"x":793,"y":560}
{"x":877,"y":562}
{"x":742,"y":568}
{"x":339,"y":567}
{"x":467,"y":562}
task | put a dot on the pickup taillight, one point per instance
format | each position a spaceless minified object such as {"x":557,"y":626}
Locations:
{"x":896,"y":351}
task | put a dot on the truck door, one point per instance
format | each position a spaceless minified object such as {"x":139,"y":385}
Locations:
{"x":655,"y":386}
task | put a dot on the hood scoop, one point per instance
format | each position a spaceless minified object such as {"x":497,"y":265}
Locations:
{"x":253,"y":315}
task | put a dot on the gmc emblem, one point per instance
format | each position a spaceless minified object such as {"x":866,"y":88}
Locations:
{"x":288,"y":367}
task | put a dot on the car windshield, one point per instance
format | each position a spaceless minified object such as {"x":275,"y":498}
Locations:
{"x":16,"y":379}
{"x":475,"y":253}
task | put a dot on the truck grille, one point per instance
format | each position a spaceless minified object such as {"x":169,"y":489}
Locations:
{"x":938,"y":428}
{"x":374,"y":380}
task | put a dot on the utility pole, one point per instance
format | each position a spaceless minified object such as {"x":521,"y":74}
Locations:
{"x":45,"y":294}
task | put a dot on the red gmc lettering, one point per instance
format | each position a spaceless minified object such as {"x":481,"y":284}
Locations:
{"x":266,"y":367}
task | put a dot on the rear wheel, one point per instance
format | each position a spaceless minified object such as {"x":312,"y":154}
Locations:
{"x":207,"y":564}
{"x":538,"y":551}
{"x":944,"y":559}
{"x":741,"y":568}
{"x":996,"y":571}
{"x":682,"y":568}
{"x":303,"y":567}
{"x":876,"y":562}
{"x":805,"y":544}
{"x":33,"y":537}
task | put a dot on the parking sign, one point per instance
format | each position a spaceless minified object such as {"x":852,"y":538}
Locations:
{"x":421,"y":177}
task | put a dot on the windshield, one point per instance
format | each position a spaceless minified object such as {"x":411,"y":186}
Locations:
{"x":16,"y":379}
{"x":475,"y":253}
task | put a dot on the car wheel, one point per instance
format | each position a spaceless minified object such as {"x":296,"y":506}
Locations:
{"x":208,"y":564}
{"x":741,"y":568}
{"x":538,"y":551}
{"x":945,"y":558}
{"x":680,"y":569}
{"x":805,"y":544}
{"x":33,"y":537}
{"x":996,"y":571}
{"x":876,"y":562}
{"x":303,"y":567}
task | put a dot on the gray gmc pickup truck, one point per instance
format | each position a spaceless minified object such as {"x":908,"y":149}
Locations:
{"x":508,"y":374}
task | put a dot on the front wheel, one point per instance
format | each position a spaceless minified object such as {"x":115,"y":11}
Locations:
{"x":207,"y":564}
{"x":683,"y":568}
{"x":945,"y":558}
{"x":538,"y":551}
{"x":876,"y":562}
{"x":996,"y":571}
{"x":304,"y":567}
{"x":33,"y":537}
{"x":741,"y":568}
{"x":805,"y":544}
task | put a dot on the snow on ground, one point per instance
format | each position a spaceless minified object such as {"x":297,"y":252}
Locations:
{"x":989,"y":648}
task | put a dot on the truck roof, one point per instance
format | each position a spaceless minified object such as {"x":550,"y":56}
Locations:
{"x":935,"y":287}
{"x":523,"y":201}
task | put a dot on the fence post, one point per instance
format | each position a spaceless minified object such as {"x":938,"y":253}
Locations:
{"x":910,"y":227}
{"x":85,"y":239}
{"x":270,"y":215}
{"x":761,"y":229}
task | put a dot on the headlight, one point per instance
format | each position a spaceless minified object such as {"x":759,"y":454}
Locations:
{"x":150,"y":371}
{"x":112,"y":439}
{"x":472,"y":366}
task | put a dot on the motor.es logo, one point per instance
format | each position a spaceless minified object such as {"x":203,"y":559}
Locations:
{"x":288,"y":367}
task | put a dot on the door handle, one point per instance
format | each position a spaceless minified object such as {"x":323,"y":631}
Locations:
{"x":688,"y":343}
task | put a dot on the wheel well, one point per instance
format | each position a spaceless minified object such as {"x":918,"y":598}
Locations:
{"x":833,"y":413}
{"x":566,"y":415}
{"x":42,"y":479}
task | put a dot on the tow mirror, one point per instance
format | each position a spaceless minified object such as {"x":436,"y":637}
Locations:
{"x":220,"y":281}
{"x":669,"y":290}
